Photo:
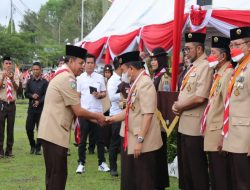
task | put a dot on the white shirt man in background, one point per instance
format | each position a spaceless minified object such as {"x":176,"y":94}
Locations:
{"x":91,"y":87}
{"x":114,"y":96}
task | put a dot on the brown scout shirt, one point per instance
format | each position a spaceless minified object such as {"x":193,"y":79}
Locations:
{"x":3,"y":88}
{"x":198,"y":84}
{"x":215,"y":114}
{"x":238,"y":139}
{"x":57,"y":115}
{"x":144,"y":101}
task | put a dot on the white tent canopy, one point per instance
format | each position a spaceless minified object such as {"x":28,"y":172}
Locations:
{"x":130,"y":24}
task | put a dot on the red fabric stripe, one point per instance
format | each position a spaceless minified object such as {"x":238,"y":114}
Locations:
{"x":239,"y":18}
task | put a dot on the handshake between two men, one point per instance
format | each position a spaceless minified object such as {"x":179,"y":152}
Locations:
{"x":96,"y":117}
{"x":107,"y":120}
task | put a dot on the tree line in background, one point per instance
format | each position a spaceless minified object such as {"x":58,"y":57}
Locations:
{"x":43,"y":35}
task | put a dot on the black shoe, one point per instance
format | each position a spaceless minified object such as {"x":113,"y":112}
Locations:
{"x":38,"y":152}
{"x":32,"y":150}
{"x":114,"y":173}
{"x":9,"y":154}
{"x":1,"y":156}
{"x":91,"y":152}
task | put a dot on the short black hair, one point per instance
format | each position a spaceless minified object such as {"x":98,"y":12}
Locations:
{"x":116,"y":63}
{"x":37,"y":64}
{"x":91,"y":56}
{"x":6,"y":58}
{"x":227,"y":52}
{"x":136,"y":64}
{"x":199,"y":44}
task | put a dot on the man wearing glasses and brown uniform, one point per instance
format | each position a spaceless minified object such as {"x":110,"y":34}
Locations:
{"x":9,"y":83}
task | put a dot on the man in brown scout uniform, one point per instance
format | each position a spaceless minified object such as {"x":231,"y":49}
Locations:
{"x":62,"y":102}
{"x":9,"y":83}
{"x":190,"y":106}
{"x":236,"y":127}
{"x":142,"y":136}
{"x":212,"y":120}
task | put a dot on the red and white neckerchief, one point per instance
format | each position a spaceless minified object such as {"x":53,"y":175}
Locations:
{"x":217,"y":78}
{"x":59,"y":71}
{"x":125,"y":143}
{"x":236,"y":73}
{"x":9,"y":89}
{"x":163,"y":70}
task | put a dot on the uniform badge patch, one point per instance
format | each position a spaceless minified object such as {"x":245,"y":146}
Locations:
{"x":236,"y":92}
{"x":73,"y":84}
{"x":132,"y":107}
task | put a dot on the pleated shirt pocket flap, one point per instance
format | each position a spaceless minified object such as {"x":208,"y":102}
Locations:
{"x":241,"y":121}
{"x":65,"y":124}
{"x":215,"y":126}
{"x":191,"y":114}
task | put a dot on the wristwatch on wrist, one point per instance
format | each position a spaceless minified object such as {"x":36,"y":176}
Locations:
{"x":140,"y":139}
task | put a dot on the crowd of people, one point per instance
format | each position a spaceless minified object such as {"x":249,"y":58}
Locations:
{"x":117,"y":112}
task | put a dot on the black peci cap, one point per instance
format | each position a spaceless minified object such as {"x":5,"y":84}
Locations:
{"x":158,"y":52}
{"x":195,"y":37}
{"x":76,"y":51}
{"x":131,"y":58}
{"x":238,"y":33}
{"x":220,"y":42}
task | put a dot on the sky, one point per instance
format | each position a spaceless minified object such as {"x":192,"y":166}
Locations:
{"x":20,"y":6}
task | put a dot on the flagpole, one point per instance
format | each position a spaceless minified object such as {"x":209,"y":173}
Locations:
{"x":177,"y":33}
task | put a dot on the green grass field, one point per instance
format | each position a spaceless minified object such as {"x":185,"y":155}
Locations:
{"x":26,"y":172}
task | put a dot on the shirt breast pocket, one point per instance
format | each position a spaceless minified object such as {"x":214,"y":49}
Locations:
{"x":241,"y":121}
{"x":191,"y":84}
{"x":215,"y":126}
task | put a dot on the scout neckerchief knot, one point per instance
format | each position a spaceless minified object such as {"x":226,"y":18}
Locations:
{"x":187,"y":76}
{"x":217,"y":78}
{"x":159,"y":73}
{"x":236,"y":73}
{"x":125,"y":143}
{"x":9,"y":90}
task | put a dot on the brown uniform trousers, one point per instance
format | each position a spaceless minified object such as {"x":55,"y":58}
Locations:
{"x":7,"y":112}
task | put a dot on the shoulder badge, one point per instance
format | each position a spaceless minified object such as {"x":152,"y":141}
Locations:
{"x":72,"y":83}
